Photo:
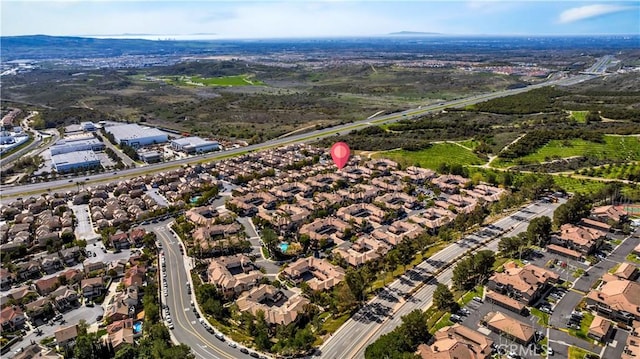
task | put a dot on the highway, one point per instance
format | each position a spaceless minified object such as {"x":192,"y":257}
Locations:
{"x":383,"y":313}
{"x":10,"y":192}
{"x":188,"y":329}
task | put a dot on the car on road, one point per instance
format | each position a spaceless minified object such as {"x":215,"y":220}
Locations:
{"x":233,"y":345}
{"x":220,"y":336}
{"x":57,"y":317}
{"x":254,"y":355}
{"x":244,"y":350}
{"x":549,"y":351}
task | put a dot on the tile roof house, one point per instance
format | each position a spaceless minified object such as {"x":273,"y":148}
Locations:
{"x":600,"y":329}
{"x":6,"y":278}
{"x":566,"y":252}
{"x":362,"y":250}
{"x":582,"y":239}
{"x":65,"y":337}
{"x":503,"y":324}
{"x":233,"y":274}
{"x":319,"y":274}
{"x":276,"y":307}
{"x":73,"y":275}
{"x":526,"y":284}
{"x":361,"y":212}
{"x":457,"y":342}
{"x":632,"y":348}
{"x":616,"y":298}
{"x":92,"y":287}
{"x":12,"y":318}
{"x":46,"y":286}
{"x":606,"y":214}
{"x":65,"y":298}
{"x":327,"y":229}
{"x":434,"y":217}
{"x":135,"y":276}
{"x":626,"y":271}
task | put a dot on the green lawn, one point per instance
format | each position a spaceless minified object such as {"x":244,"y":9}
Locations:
{"x":238,"y":80}
{"x":584,"y":326}
{"x":579,"y":116}
{"x":633,"y":258}
{"x":577,"y":353}
{"x":468,"y":296}
{"x":332,"y":324}
{"x":543,"y":318}
{"x":445,"y":321}
{"x":435,"y":155}
{"x":625,"y":148}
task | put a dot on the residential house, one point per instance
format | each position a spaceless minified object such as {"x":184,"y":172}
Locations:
{"x":616,"y":298}
{"x":632,"y":348}
{"x":92,"y":287}
{"x":66,"y":337}
{"x":71,"y":256}
{"x":509,"y":327}
{"x":609,"y":214}
{"x":120,"y":241}
{"x":12,"y":318}
{"x":202,"y":216}
{"x":566,"y":252}
{"x":119,"y":310}
{"x":136,"y":236}
{"x":21,"y":293}
{"x":593,"y":224}
{"x":28,"y":270}
{"x":91,"y":266}
{"x":434,"y":217}
{"x":6,"y":278}
{"x":73,"y":275}
{"x":600,"y":329}
{"x":504,"y":301}
{"x":319,"y":274}
{"x":457,"y":342}
{"x":582,"y":239}
{"x":135,"y":276}
{"x":39,"y":351}
{"x":46,"y":286}
{"x":626,"y":271}
{"x":233,"y":274}
{"x":360,"y":213}
{"x":65,"y":298}
{"x":271,"y":301}
{"x":51,"y":263}
{"x":526,"y":284}
{"x":38,"y":307}
{"x":364,"y":249}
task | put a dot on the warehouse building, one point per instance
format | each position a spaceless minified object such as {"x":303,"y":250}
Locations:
{"x":137,"y":136}
{"x":65,"y":146}
{"x":194,"y":145}
{"x":81,"y":160}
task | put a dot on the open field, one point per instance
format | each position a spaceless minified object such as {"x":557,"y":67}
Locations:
{"x":227,"y":81}
{"x":579,"y":116}
{"x":432,"y":157}
{"x":621,"y":148}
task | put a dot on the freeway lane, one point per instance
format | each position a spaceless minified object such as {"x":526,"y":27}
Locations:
{"x":187,"y":328}
{"x":11,"y":192}
{"x":383,"y":313}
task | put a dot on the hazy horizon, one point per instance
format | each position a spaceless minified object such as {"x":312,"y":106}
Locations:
{"x":313,"y":19}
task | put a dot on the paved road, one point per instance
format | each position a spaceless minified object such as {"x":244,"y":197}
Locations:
{"x":383,"y":313}
{"x":187,"y":328}
{"x":125,"y":159}
{"x":11,"y":192}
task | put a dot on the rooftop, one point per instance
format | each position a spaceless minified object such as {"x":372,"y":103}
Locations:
{"x":132,"y":131}
{"x":74,"y":157}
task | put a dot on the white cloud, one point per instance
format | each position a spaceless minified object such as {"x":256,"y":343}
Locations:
{"x":590,"y":11}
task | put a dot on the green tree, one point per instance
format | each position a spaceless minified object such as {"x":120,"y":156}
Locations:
{"x":539,"y":231}
{"x":443,"y":298}
{"x":414,"y":328}
{"x":356,"y":283}
{"x":483,"y":264}
{"x":462,"y":272}
{"x":127,"y":351}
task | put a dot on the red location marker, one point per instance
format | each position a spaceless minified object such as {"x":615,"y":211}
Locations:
{"x":340,"y":153}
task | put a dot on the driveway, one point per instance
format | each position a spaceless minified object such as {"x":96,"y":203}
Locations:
{"x":84,"y":227}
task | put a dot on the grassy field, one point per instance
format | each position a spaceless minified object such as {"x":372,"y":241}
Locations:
{"x":579,"y":116}
{"x":227,"y":81}
{"x":577,"y":353}
{"x":613,"y":171}
{"x":625,"y":148}
{"x":432,"y":157}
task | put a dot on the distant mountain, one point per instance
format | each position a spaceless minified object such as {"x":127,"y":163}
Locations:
{"x":38,"y":47}
{"x":414,"y":33}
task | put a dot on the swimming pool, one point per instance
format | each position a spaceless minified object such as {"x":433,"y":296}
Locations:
{"x":195,"y":199}
{"x":283,"y":247}
{"x":137,"y":327}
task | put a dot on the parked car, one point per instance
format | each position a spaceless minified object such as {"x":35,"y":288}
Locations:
{"x":478,"y":299}
{"x":244,"y":350}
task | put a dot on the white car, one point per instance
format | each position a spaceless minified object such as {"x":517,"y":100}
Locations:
{"x":171,"y":326}
{"x":549,"y":351}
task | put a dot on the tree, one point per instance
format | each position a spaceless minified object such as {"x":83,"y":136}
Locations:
{"x":389,"y":346}
{"x":127,"y":351}
{"x":539,"y":231}
{"x":414,"y":328}
{"x":483,"y":264}
{"x":443,"y":298}
{"x":576,"y":208}
{"x":356,"y":283}
{"x":461,"y":273}
{"x":510,"y":246}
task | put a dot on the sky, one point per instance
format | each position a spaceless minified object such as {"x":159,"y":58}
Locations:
{"x":324,"y":18}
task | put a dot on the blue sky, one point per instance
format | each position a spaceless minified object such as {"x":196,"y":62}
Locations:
{"x":301,"y":18}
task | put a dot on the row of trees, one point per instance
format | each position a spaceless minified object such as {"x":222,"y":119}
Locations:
{"x":403,"y":341}
{"x":473,"y":269}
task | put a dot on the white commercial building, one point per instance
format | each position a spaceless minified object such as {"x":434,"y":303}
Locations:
{"x":194,"y":145}
{"x":136,"y":136}
{"x":67,"y":162}
{"x":64,"y":146}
